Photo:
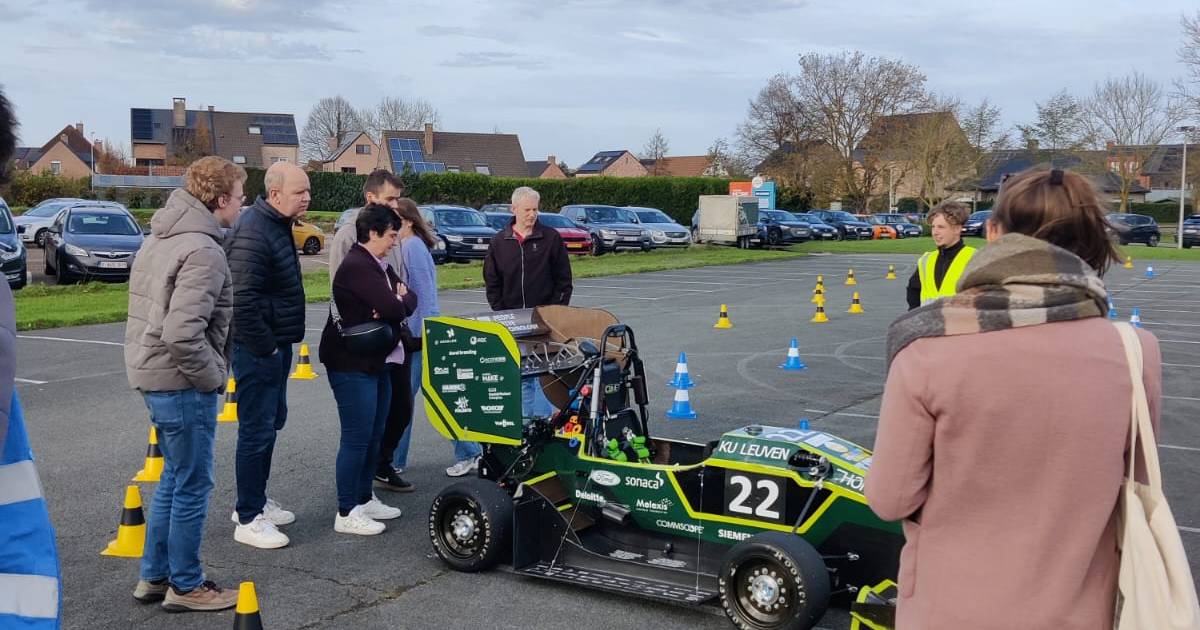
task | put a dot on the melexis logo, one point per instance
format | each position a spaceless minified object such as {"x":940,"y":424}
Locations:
{"x":640,"y":482}
{"x":661,"y":506}
{"x":605,"y":478}
{"x":454,"y":388}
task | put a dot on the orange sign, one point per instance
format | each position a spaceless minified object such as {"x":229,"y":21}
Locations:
{"x":739,"y":189}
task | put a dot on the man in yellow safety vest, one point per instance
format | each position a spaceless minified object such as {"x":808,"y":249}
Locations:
{"x":939,"y":271}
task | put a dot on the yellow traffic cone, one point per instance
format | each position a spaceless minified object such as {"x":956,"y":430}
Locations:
{"x":1128,"y":262}
{"x":855,"y":305}
{"x":131,"y":532}
{"x":723,"y":319}
{"x":850,"y":281}
{"x":891,"y":272}
{"x":819,"y":317}
{"x":246,"y":617}
{"x":229,"y":413}
{"x":818,"y":294}
{"x":304,"y":371}
{"x":152,"y":469}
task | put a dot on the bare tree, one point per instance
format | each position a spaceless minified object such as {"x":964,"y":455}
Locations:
{"x":197,"y":144}
{"x":1135,"y":115}
{"x":656,"y":149}
{"x":111,"y":157}
{"x":772,"y":119}
{"x":937,"y":150}
{"x":1189,"y":54}
{"x":1061,"y":125}
{"x":981,"y":125}
{"x":332,"y":117}
{"x":722,"y":162}
{"x":398,"y":114}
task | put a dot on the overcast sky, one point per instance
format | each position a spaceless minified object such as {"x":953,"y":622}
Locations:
{"x":571,"y":77}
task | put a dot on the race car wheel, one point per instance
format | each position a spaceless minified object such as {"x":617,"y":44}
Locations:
{"x":774,"y":581}
{"x":469,"y":525}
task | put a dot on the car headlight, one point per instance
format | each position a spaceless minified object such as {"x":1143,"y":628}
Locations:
{"x":454,"y":238}
{"x":6,"y":255}
{"x":439,"y":244}
{"x":659,"y":234}
{"x":75,"y":251}
{"x":608,"y":234}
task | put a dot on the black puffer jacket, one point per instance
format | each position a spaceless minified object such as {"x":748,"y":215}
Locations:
{"x":268,"y":294}
{"x":529,"y":273}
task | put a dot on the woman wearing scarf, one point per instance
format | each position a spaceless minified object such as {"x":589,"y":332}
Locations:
{"x":1005,"y":422}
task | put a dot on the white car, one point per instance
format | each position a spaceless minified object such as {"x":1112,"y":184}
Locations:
{"x":33,"y":224}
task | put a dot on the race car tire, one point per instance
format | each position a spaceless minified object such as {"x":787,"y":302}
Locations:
{"x":470,"y":525}
{"x":774,"y":581}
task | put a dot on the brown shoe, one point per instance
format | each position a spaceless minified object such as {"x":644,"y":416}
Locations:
{"x":207,"y":596}
{"x":147,"y":591}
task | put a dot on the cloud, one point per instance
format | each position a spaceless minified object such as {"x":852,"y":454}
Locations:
{"x":492,"y":59}
{"x":267,"y":16}
{"x":10,"y":13}
{"x":643,"y":34}
{"x":438,"y":30}
{"x":207,"y":42}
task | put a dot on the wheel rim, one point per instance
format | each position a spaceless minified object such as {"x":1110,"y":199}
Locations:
{"x":311,"y":246}
{"x":460,"y":528}
{"x":764,"y":596}
{"x":40,"y":238}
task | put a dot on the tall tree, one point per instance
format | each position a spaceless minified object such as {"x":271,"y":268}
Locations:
{"x":981,"y":124}
{"x":332,"y":117}
{"x":722,"y":162}
{"x":196,"y":145}
{"x":1061,"y":125}
{"x":397,"y":114}
{"x":772,"y":119}
{"x":1135,"y":114}
{"x":1189,"y":54}
{"x":656,"y":149}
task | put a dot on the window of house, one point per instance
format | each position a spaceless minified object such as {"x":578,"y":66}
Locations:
{"x":362,"y":149}
{"x":483,"y":168}
{"x":56,"y":167}
{"x":453,"y":169}
{"x":276,"y":158}
{"x":239,"y":159}
{"x":254,"y":130}
{"x":349,"y":169}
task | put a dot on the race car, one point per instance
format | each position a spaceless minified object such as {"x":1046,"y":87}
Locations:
{"x":768,"y":522}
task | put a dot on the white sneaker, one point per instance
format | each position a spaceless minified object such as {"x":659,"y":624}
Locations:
{"x":273,"y":513}
{"x":376,"y":510}
{"x":260,"y":533}
{"x":357,"y":522}
{"x":463,"y":467}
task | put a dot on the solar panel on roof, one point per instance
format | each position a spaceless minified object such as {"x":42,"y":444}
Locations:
{"x":141,"y":124}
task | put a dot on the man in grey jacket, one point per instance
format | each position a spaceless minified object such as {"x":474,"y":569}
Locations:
{"x":177,"y":345}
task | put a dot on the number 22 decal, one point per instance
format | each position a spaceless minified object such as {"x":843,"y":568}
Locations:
{"x":745,"y":495}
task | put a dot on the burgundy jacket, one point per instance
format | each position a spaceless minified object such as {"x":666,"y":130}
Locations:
{"x":360,"y":286}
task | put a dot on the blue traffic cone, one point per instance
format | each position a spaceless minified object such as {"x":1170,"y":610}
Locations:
{"x":682,"y":380}
{"x":803,"y":426}
{"x":793,"y":357}
{"x":682,"y":409}
{"x":1150,"y":271}
{"x":1112,"y":310}
{"x":1136,"y":318}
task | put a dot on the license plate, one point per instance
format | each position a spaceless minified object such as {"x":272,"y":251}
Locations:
{"x":575,"y":245}
{"x":632,"y":239}
{"x":109,"y":264}
{"x":479,"y":247}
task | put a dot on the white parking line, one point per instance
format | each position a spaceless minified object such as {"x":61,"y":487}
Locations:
{"x":29,"y":381}
{"x":1146,"y":323}
{"x":1179,"y":448}
{"x":1180,"y":398}
{"x":1176,"y":341}
{"x":626,"y":288}
{"x":92,"y":341}
{"x":577,"y":295}
{"x":1183,"y":365}
{"x":1190,"y":530}
{"x":842,"y":413}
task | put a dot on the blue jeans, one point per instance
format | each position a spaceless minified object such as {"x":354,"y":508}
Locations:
{"x":462,"y":450}
{"x":187,"y":425}
{"x":362,"y":400}
{"x":533,"y":399}
{"x":262,"y":412}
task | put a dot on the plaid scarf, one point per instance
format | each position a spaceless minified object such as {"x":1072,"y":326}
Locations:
{"x":1013,"y":282}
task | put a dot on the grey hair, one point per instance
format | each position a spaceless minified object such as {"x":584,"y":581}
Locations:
{"x":523,"y":192}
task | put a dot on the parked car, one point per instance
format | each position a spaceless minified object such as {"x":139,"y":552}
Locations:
{"x":33,"y":224}
{"x":1191,"y":231}
{"x":497,"y":207}
{"x":576,"y":237}
{"x":497,"y":220}
{"x":904,"y":228}
{"x":779,"y":227}
{"x":308,"y":238}
{"x":464,"y":230}
{"x":846,"y":224}
{"x":612,"y":228}
{"x":976,"y":222}
{"x":92,"y":242}
{"x":1134,"y":228}
{"x":819,"y":229}
{"x":13,"y":257}
{"x":664,"y":231}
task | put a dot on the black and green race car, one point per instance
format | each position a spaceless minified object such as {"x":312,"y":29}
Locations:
{"x":768,"y":522}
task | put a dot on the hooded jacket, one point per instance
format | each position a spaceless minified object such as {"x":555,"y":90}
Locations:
{"x":180,"y":302}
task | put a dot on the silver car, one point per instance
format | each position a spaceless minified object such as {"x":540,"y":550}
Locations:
{"x":32,"y":225}
{"x":664,"y":231}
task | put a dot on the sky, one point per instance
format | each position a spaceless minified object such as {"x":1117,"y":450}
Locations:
{"x":570,"y":77}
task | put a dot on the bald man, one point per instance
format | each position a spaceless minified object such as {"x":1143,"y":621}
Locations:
{"x":268,"y":317}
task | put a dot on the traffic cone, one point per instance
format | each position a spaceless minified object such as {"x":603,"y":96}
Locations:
{"x":1128,"y":262}
{"x":1136,"y":318}
{"x":820,"y":317}
{"x":682,"y":409}
{"x":682,"y":380}
{"x":891,"y":275}
{"x":850,"y":281}
{"x":723,"y":319}
{"x":793,"y":361}
{"x":131,"y":531}
{"x":229,"y":413}
{"x":1150,"y":271}
{"x":818,"y":294}
{"x":246,"y":615}
{"x":1112,"y":310}
{"x":152,"y":469}
{"x":855,"y":305}
{"x":304,"y":371}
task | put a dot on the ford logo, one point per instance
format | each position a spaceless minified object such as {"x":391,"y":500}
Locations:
{"x":605,"y":478}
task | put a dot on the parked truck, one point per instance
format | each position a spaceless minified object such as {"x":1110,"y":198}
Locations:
{"x":726,"y":219}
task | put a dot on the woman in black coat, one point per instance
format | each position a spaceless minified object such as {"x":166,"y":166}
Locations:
{"x":365,"y":288}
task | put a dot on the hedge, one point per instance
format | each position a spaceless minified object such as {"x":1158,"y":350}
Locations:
{"x":30,"y":189}
{"x":1162,"y":212}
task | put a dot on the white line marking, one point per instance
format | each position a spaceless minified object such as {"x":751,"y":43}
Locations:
{"x":1183,"y":365}
{"x":101,"y":343}
{"x":657,"y":289}
{"x":461,"y":302}
{"x":1169,"y":324}
{"x":29,"y":381}
{"x":575,"y":295}
{"x":842,"y":413}
{"x":1179,"y":448}
{"x":1176,"y":341}
{"x":1190,"y":530}
{"x":1179,"y":398}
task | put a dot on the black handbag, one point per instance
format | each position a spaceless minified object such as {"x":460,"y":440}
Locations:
{"x":410,"y":342}
{"x":373,"y":337}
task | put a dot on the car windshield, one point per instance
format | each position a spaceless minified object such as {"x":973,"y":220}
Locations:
{"x":653,"y":216}
{"x":842,"y":215}
{"x":777,"y":215}
{"x":550,"y":219}
{"x":804,"y":216}
{"x":460,"y":218}
{"x":598,"y":214}
{"x":982,"y":215}
{"x":102,"y":223}
{"x":6,"y":226}
{"x":47,"y":210}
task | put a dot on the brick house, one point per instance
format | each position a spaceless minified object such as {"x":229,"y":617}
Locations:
{"x":893,"y":145}
{"x":68,"y":154}
{"x":997,"y":165}
{"x":358,"y":154}
{"x":613,"y":164}
{"x":158,"y":136}
{"x":546,"y":169}
{"x":429,"y":151}
{"x":685,"y":166}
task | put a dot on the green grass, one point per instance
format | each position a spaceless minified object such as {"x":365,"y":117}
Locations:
{"x":1165,"y":251}
{"x":42,"y":306}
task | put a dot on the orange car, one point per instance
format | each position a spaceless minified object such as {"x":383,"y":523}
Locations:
{"x":879,"y":231}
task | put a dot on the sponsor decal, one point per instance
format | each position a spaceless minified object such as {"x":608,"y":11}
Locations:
{"x":732,"y":535}
{"x":594,"y":497}
{"x":497,"y":395}
{"x":491,"y":378}
{"x":836,"y":448}
{"x":491,"y":359}
{"x":441,"y":371}
{"x":465,"y":374}
{"x":505,"y":423}
{"x":640,"y":482}
{"x":605,"y":478}
{"x":662,"y":506}
{"x":668,"y":562}
{"x":475,"y":340}
{"x":621,"y":554}
{"x":449,"y":333}
{"x":462,"y":405}
{"x":754,"y":449}
{"x":462,"y":353}
{"x":784,"y":435}
{"x":689,"y":528}
{"x":454,"y":388}
{"x":492,"y":408}
{"x":849,"y":480}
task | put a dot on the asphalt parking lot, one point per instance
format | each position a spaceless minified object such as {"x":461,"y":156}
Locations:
{"x":36,"y":264}
{"x":89,"y":430}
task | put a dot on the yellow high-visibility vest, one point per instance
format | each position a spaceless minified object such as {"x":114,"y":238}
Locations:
{"x":930,"y":291}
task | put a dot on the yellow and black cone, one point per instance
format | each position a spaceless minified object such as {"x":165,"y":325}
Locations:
{"x":152,"y":469}
{"x":1128,"y":262}
{"x":855,"y":305}
{"x":850,"y":281}
{"x":723,"y":319}
{"x":131,"y":532}
{"x":247,"y":617}
{"x":229,"y":413}
{"x":819,"y":317}
{"x":304,"y":371}
{"x":891,"y":272}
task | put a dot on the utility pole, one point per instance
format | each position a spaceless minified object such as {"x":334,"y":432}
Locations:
{"x":1182,"y":186}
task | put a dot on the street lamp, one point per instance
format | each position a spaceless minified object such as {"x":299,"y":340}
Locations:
{"x":1182,"y":185}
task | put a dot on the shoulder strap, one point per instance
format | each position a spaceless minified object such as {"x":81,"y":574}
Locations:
{"x":1139,"y":410}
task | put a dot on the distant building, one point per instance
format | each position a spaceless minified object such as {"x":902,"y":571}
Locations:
{"x":358,"y":154}
{"x":612,"y":164}
{"x":68,"y":154}
{"x":548,"y":169}
{"x":249,"y":139}
{"x":430,"y":151}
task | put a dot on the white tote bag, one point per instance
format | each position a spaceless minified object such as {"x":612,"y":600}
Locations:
{"x":1156,"y":587}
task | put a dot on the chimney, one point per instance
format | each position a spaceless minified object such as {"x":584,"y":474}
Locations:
{"x":428,"y":144}
{"x":79,"y":127}
{"x":1109,"y":145}
{"x":210,"y":109}
{"x":331,"y":143}
{"x":179,"y":112}
{"x":550,"y":161}
{"x":1032,"y":145}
